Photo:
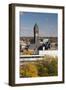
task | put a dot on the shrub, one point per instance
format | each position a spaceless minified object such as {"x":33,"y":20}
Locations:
{"x":42,"y":70}
{"x":27,"y":52}
{"x":29,"y":70}
{"x":48,"y":66}
{"x":53,"y":68}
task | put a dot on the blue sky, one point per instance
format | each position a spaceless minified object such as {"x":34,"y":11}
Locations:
{"x":47,"y":23}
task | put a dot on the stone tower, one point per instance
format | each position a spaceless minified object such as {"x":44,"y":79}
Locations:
{"x":36,"y":38}
{"x":36,"y":34}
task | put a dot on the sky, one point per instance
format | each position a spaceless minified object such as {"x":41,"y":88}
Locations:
{"x":47,"y":23}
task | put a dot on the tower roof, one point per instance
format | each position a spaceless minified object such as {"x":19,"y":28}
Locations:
{"x":36,"y":27}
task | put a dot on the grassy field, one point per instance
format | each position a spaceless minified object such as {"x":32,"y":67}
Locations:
{"x":47,"y":66}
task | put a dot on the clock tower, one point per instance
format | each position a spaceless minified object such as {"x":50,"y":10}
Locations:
{"x":36,"y":34}
{"x":36,"y":38}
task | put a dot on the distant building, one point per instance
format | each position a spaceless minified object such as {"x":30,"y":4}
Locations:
{"x":35,"y":45}
{"x":36,"y":34}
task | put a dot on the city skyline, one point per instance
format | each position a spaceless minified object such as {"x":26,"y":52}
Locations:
{"x":47,"y":23}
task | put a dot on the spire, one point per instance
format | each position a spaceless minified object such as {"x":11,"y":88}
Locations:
{"x":36,"y":27}
{"x":36,"y":34}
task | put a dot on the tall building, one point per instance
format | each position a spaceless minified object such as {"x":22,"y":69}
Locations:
{"x":36,"y":37}
{"x":36,"y":34}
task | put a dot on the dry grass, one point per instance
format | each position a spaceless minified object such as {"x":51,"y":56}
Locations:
{"x":48,"y":66}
